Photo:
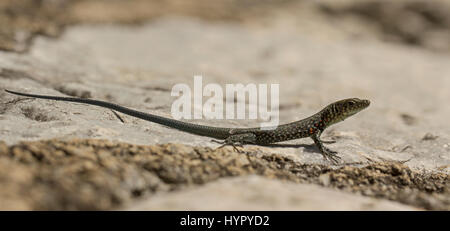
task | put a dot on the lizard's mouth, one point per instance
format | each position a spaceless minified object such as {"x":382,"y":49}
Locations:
{"x":342,"y":109}
{"x":356,"y":105}
{"x":365,"y":103}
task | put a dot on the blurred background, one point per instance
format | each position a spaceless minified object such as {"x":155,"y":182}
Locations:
{"x":421,"y":23}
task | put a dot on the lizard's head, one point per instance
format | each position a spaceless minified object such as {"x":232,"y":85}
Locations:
{"x":342,"y":109}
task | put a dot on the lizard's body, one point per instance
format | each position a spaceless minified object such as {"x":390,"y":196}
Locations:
{"x":312,"y":126}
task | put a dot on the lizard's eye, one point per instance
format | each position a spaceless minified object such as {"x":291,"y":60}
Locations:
{"x":351,"y":103}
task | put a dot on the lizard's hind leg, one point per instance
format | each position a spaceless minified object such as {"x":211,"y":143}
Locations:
{"x":234,"y":145}
{"x":237,"y":140}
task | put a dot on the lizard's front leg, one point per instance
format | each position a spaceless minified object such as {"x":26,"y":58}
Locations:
{"x":238,"y":140}
{"x":327,"y":153}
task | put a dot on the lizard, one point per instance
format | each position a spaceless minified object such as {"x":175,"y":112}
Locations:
{"x":312,"y":126}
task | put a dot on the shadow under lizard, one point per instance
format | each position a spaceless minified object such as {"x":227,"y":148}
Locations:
{"x":312,"y":126}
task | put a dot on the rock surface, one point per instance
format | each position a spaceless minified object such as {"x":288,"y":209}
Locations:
{"x":98,"y":174}
{"x":226,"y":194}
{"x":397,"y":150}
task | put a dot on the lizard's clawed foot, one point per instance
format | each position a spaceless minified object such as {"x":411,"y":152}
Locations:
{"x":330,"y":155}
{"x":224,"y":143}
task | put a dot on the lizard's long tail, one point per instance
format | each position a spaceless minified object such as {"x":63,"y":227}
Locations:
{"x":213,"y":132}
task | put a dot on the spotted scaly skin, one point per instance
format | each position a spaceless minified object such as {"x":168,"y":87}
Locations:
{"x":312,"y":126}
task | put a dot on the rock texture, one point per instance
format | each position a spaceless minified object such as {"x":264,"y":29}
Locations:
{"x":58,"y":155}
{"x":97,"y":174}
{"x":240,"y":193}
